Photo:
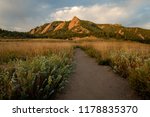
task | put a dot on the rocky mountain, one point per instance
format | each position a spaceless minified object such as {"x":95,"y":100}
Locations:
{"x":59,"y":25}
{"x":82,"y":28}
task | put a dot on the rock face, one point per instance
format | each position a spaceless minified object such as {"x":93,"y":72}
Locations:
{"x":74,"y":22}
{"x":41,"y":29}
{"x":46,"y":28}
{"x":121,"y":32}
{"x":32,"y":31}
{"x":141,"y":36}
{"x":76,"y":27}
{"x":60,"y":26}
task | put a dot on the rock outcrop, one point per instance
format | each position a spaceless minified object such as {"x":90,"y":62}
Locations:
{"x":74,"y":22}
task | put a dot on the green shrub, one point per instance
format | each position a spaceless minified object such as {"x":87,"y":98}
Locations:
{"x":34,"y":79}
{"x":122,"y":62}
{"x":140,"y":79}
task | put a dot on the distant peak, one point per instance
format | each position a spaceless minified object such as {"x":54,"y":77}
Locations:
{"x":75,"y":18}
{"x":74,"y":22}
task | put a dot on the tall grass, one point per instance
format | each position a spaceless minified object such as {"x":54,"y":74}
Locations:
{"x":33,"y":70}
{"x":23,"y":50}
{"x":130,"y":60}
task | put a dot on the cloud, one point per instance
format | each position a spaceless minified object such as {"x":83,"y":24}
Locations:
{"x":130,"y":14}
{"x":96,"y":13}
{"x":23,"y":14}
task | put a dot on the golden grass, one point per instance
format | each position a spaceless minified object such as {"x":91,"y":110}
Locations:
{"x":106,"y":47}
{"x":23,"y":50}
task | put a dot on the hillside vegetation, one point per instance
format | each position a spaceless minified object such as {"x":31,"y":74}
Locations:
{"x":4,"y":34}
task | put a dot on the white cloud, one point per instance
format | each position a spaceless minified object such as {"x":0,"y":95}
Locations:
{"x":95,"y":13}
{"x":146,"y":25}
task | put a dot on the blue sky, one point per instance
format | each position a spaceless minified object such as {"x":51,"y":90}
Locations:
{"x":22,"y":15}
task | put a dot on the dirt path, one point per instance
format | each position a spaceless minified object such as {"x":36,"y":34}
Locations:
{"x":92,"y":81}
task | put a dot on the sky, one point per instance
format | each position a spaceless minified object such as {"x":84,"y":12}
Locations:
{"x":23,"y":15}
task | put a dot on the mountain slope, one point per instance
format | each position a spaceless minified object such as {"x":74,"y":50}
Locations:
{"x":127,"y":33}
{"x":82,"y":28}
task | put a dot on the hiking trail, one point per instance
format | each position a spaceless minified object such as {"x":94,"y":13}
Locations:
{"x":91,"y":81}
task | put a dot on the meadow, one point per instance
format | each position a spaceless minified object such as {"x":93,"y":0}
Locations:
{"x":36,"y":69}
{"x":130,"y":60}
{"x":33,"y":70}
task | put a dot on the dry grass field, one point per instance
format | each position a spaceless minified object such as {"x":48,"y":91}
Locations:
{"x":36,"y":69}
{"x":24,"y":50}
